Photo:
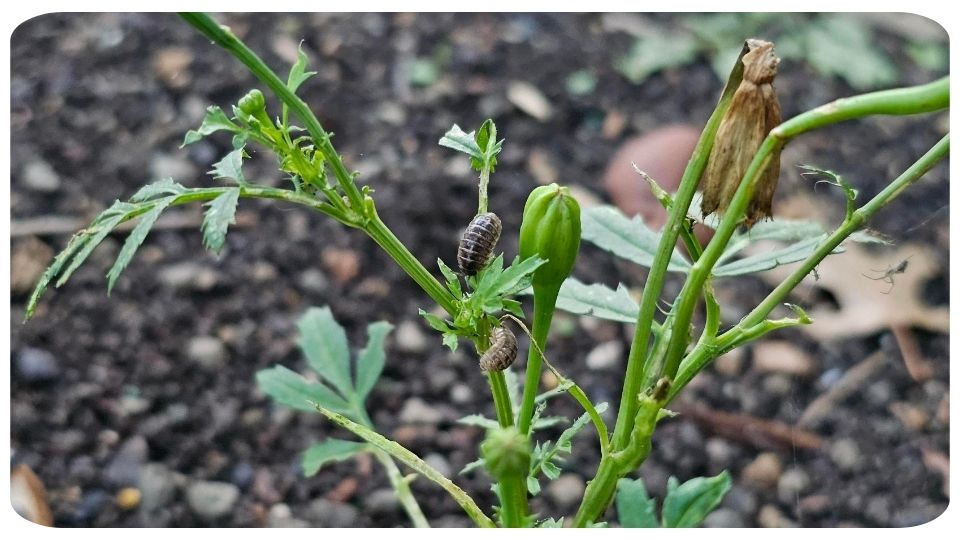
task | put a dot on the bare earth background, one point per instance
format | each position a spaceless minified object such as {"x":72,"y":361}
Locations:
{"x":153,"y":387}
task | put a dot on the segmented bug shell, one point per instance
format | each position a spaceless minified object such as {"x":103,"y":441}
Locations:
{"x":477,"y":243}
{"x":502,"y":351}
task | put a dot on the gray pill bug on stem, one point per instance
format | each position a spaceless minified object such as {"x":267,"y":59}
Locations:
{"x":502,"y":351}
{"x":477,"y":243}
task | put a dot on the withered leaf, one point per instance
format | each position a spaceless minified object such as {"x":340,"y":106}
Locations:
{"x":753,"y":112}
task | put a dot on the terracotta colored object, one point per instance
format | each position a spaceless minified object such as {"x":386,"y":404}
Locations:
{"x":663,"y":154}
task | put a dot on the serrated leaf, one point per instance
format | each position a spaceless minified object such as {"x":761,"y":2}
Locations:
{"x":324,"y":343}
{"x":459,"y":140}
{"x":547,"y":422}
{"x":687,"y":505}
{"x":472,"y":466}
{"x":101,"y":226}
{"x":453,"y":281}
{"x":329,"y":451}
{"x":782,"y":230}
{"x":550,"y":470}
{"x":597,"y":300}
{"x":230,"y":168}
{"x":435,"y":322}
{"x":135,"y":240}
{"x":635,"y":509}
{"x":166,"y":186}
{"x":656,"y":52}
{"x":771,"y":259}
{"x":214,"y":120}
{"x":371,"y":359}
{"x":513,"y":307}
{"x":533,"y":486}
{"x":76,"y":243}
{"x":511,"y":281}
{"x":551,"y":523}
{"x":486,"y":139}
{"x":218,"y":217}
{"x":298,"y":72}
{"x":289,"y":388}
{"x":631,"y":239}
{"x":451,"y":341}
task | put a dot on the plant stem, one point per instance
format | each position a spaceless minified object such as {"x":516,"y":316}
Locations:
{"x":482,"y":199}
{"x":411,"y":460}
{"x":914,"y":100}
{"x":513,"y":501}
{"x":221,"y":35}
{"x":401,"y":486}
{"x":544,"y":304}
{"x":501,"y":398}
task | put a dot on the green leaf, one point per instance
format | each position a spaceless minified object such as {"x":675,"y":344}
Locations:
{"x":451,"y":341}
{"x":453,"y":281}
{"x":230,"y":168}
{"x":598,"y":300}
{"x":435,"y":322}
{"x":472,"y":466}
{"x":461,"y":141}
{"x":289,"y":388}
{"x":218,"y":217}
{"x":329,"y":451}
{"x":550,"y":470}
{"x":298,"y":73}
{"x":215,"y":120}
{"x":101,"y":226}
{"x":324,"y":343}
{"x":551,"y":523}
{"x":842,"y":46}
{"x":516,"y":277}
{"x":371,"y":359}
{"x":135,"y":240}
{"x":782,"y":230}
{"x":161,"y":187}
{"x":929,"y":56}
{"x":533,"y":486}
{"x":688,"y":504}
{"x":635,"y":508}
{"x":486,"y":139}
{"x":657,"y":52}
{"x":771,"y":259}
{"x":76,"y":243}
{"x":631,"y":239}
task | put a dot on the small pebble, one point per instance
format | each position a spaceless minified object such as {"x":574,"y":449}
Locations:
{"x":342,"y":263}
{"x":461,"y":394}
{"x":724,"y":518}
{"x":325,"y":513}
{"x":845,"y":453}
{"x":280,"y":516}
{"x":207,"y":351}
{"x":566,"y":490}
{"x":381,"y":501}
{"x":764,"y":471}
{"x":793,"y":482}
{"x":530,"y":100}
{"x":128,"y":498}
{"x":410,"y":338}
{"x":772,"y":518}
{"x":440,"y":463}
{"x":782,"y":357}
{"x":158,"y":486}
{"x":39,"y":176}
{"x":37,"y":365}
{"x":313,"y":280}
{"x":417,"y":411}
{"x":605,"y":356}
{"x":212,"y":500}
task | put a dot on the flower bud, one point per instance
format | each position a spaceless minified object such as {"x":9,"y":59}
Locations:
{"x":551,"y":231}
{"x":506,"y":451}
{"x":253,"y":103}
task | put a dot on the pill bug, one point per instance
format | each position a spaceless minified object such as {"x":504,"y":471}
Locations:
{"x":502,"y":351}
{"x":477,"y":243}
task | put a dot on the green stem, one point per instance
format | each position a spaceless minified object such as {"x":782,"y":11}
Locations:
{"x":482,"y":199}
{"x":633,"y":378}
{"x":385,"y":238}
{"x":706,"y":351}
{"x":401,"y":486}
{"x":544,"y":304}
{"x":411,"y":460}
{"x":513,"y":501}
{"x":221,"y":35}
{"x":914,"y":100}
{"x":501,"y":398}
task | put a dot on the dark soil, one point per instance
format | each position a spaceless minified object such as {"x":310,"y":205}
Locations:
{"x":95,"y":98}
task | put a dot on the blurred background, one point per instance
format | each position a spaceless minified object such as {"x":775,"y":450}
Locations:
{"x":141,"y":409}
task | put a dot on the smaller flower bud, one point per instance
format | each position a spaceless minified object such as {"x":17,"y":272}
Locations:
{"x":551,"y":230}
{"x":253,"y":103}
{"x":506,"y":451}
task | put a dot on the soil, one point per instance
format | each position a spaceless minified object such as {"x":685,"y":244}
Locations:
{"x":103,"y":100}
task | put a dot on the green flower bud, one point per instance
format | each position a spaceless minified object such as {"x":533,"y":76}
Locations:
{"x":506,"y":451}
{"x":253,"y":103}
{"x":551,"y":230}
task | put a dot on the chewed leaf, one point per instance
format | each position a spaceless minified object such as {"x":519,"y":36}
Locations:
{"x":329,"y":451}
{"x":167,"y":186}
{"x":136,"y":238}
{"x":218,"y":217}
{"x":631,"y":239}
{"x":230,"y":167}
{"x":461,"y":141}
{"x":688,"y":504}
{"x":597,"y":300}
{"x":298,"y":73}
{"x":372,"y":358}
{"x":215,"y":120}
{"x":635,"y":508}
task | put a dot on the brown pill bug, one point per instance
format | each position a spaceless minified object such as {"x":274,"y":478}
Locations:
{"x":477,"y":243}
{"x":502,"y":351}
